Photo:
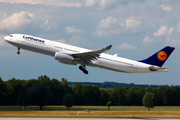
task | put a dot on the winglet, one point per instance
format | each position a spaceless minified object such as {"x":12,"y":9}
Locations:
{"x":108,"y":47}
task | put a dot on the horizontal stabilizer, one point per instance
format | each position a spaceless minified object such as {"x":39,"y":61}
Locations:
{"x":154,"y":68}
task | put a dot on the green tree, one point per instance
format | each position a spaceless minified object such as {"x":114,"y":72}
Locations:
{"x":44,"y":79}
{"x":172,"y":99}
{"x":39,"y":94}
{"x":134,"y":95}
{"x":23,"y":97}
{"x":149,"y":100}
{"x":2,"y":89}
{"x":90,"y":95}
{"x":14,"y":87}
{"x":117,"y":96}
{"x":103,"y":97}
{"x":64,"y":84}
{"x":78,"y":100}
{"x":177,"y":95}
{"x":68,"y":100}
{"x":109,"y":104}
{"x":149,"y":89}
{"x":161,"y":96}
{"x":56,"y":92}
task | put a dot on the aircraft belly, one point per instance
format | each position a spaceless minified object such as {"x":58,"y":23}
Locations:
{"x":123,"y":66}
{"x":39,"y":48}
{"x":115,"y":65}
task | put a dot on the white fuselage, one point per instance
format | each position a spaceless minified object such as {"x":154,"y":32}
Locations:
{"x":106,"y":61}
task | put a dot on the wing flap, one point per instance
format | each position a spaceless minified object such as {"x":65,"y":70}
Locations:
{"x":91,"y":55}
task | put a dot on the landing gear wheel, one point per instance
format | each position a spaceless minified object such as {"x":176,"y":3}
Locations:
{"x":85,"y":72}
{"x":18,"y":52}
{"x":82,"y":68}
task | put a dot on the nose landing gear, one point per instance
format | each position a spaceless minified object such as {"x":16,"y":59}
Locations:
{"x":83,"y":68}
{"x":18,"y":52}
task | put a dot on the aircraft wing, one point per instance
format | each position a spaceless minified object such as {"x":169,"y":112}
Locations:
{"x":91,"y":55}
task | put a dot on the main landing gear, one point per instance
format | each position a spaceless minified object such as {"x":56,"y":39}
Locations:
{"x":18,"y":52}
{"x":83,"y":68}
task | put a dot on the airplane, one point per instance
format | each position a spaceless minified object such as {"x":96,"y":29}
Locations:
{"x":73,"y":55}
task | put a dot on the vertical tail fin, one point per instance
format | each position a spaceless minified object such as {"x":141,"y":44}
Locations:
{"x":160,"y":57}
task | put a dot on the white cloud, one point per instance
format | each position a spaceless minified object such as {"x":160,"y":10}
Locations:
{"x":61,"y":41}
{"x":76,"y":40}
{"x":103,"y":33}
{"x":61,"y":3}
{"x":106,"y":4}
{"x":166,"y":8}
{"x":170,"y":32}
{"x":21,"y":20}
{"x":126,"y":46}
{"x":146,"y":40}
{"x":16,"y":21}
{"x":172,"y":40}
{"x":2,"y":41}
{"x":101,"y":4}
{"x":179,"y":26}
{"x":92,"y":3}
{"x":3,"y":15}
{"x":107,"y":23}
{"x":72,"y":29}
{"x":111,"y":26}
{"x":163,"y":31}
{"x":169,"y":1}
{"x":107,"y":27}
{"x":77,"y":5}
{"x":132,"y":23}
{"x":23,"y":1}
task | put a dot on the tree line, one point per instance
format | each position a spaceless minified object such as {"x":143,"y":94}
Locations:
{"x":115,"y":84}
{"x":46,"y":91}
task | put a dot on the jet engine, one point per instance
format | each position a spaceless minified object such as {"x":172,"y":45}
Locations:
{"x":64,"y":58}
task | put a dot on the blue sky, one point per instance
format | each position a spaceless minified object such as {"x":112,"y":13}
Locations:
{"x":135,"y":28}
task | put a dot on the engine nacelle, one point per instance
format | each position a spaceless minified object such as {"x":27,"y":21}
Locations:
{"x":64,"y":58}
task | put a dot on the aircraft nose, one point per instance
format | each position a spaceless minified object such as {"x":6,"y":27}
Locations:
{"x":7,"y":38}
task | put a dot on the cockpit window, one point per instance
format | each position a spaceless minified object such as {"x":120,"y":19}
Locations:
{"x":11,"y":35}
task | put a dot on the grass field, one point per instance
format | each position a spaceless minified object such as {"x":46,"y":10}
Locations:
{"x":95,"y":111}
